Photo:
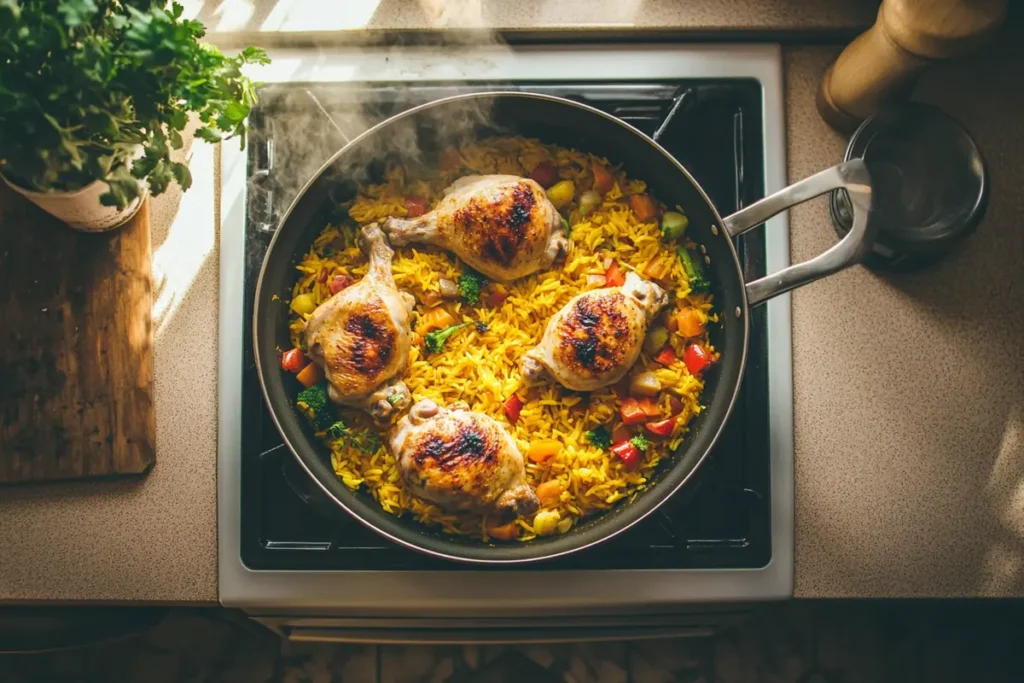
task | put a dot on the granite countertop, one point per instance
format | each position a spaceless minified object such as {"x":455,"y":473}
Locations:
{"x":909,"y":390}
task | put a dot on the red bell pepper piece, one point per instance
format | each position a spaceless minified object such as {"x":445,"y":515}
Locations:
{"x":513,"y":406}
{"x":628,"y":453}
{"x":292,"y":360}
{"x":649,"y":407}
{"x":545,"y":174}
{"x":415,"y":206}
{"x":614,"y":277}
{"x":631,"y":412}
{"x":339,"y":282}
{"x":662,"y":428}
{"x":696,"y":358}
{"x":667,"y":356}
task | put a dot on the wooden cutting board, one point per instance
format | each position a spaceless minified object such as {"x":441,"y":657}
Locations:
{"x":76,"y":348}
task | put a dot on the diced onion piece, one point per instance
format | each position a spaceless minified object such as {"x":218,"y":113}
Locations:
{"x":449,"y":290}
{"x":656,"y":339}
{"x":590,"y":201}
{"x":545,"y":522}
{"x":644,"y":384}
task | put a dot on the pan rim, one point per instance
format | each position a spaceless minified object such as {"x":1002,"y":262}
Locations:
{"x":743,"y":315}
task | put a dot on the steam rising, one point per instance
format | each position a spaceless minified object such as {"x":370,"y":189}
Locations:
{"x":309,"y":124}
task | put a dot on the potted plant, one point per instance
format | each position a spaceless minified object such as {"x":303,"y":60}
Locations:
{"x":94,"y":95}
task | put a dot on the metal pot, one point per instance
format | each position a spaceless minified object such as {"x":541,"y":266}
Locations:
{"x":569,"y":124}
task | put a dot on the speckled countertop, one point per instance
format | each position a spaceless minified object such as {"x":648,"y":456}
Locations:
{"x":909,"y":390}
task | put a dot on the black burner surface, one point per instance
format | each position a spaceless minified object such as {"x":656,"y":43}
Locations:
{"x":720,"y":520}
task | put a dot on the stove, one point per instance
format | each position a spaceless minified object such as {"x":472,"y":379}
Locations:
{"x":293,"y":558}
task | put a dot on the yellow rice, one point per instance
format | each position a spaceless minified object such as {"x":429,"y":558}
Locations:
{"x":482,"y":368}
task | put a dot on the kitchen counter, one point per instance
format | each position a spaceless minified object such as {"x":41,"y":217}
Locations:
{"x":909,"y":398}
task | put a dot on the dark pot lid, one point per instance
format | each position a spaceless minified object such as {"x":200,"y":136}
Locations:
{"x":929,"y":182}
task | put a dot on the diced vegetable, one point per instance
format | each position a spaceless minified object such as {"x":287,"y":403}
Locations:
{"x":542,"y":450}
{"x":545,"y":522}
{"x":673,"y":226}
{"x":590,"y":201}
{"x":449,"y":290}
{"x":644,"y":384}
{"x":614,"y":277}
{"x":661,"y":428}
{"x":689,"y":323}
{"x":549,"y":492}
{"x":505,"y":532}
{"x":435,"y":319}
{"x":310,"y":375}
{"x":315,"y":405}
{"x":641,"y":442}
{"x":620,"y":433}
{"x":545,"y":174}
{"x":603,"y":179}
{"x":659,"y":269}
{"x":595,"y":281}
{"x":496,"y":296}
{"x":667,"y":356}
{"x":469,"y":286}
{"x":338,"y":430}
{"x":598,"y":437}
{"x":675,"y":406}
{"x":696,"y":358}
{"x":694,"y":267}
{"x":631,"y":412}
{"x":293,"y":360}
{"x":303,"y":304}
{"x":629,"y":454}
{"x":415,"y":206}
{"x":649,"y":407}
{"x":513,"y":405}
{"x":430,"y":298}
{"x":643,"y":207}
{"x":339,"y":282}
{"x":434,"y":341}
{"x":561,"y":193}
{"x":656,"y":338}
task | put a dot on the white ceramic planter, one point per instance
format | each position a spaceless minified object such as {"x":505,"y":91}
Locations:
{"x":81,"y":209}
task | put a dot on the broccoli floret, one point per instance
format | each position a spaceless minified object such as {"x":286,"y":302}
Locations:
{"x":315,"y":405}
{"x":338,"y":430}
{"x":599,"y":437}
{"x":470,"y":283}
{"x":694,"y":268}
{"x":640,"y":441}
{"x":435,"y":340}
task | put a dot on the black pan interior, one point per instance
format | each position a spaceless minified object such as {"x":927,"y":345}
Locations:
{"x":414,"y":138}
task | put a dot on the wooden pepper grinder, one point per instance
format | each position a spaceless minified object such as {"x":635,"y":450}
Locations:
{"x":883,"y":63}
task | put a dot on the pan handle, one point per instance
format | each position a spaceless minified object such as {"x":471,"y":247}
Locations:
{"x":851,"y":176}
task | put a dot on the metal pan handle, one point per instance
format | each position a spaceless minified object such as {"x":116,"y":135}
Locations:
{"x":851,"y":176}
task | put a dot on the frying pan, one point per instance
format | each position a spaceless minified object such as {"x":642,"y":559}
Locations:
{"x":412,"y":138}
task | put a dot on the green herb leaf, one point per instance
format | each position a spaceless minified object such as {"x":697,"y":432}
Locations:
{"x":86,"y":83}
{"x":77,"y":12}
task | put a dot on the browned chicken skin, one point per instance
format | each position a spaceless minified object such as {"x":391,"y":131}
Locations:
{"x":360,"y":336}
{"x":502,"y":225}
{"x":595,"y":339}
{"x":462,"y":460}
